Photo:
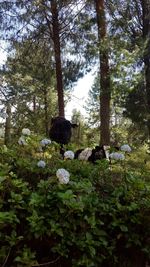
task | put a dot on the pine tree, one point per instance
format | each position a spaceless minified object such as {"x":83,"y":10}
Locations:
{"x":105,"y":95}
{"x":146,"y":37}
{"x":53,"y":21}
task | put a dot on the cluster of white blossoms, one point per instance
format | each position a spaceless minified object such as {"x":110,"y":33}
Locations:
{"x":117,"y":156}
{"x":63,"y":176}
{"x":22,"y":141}
{"x":69,"y":154}
{"x":125,"y":148}
{"x":45,"y":142}
{"x":85,"y":154}
{"x":41,"y":164}
{"x":26,"y":131}
{"x":120,"y":156}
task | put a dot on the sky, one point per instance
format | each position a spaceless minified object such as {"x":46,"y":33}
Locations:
{"x":3,"y":54}
{"x":79,"y":94}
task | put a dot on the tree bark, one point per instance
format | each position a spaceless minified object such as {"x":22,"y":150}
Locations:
{"x":34,"y":104}
{"x":8,"y":125}
{"x":105,"y":95}
{"x":146,"y":37}
{"x":57,"y":52}
{"x":46,"y":112}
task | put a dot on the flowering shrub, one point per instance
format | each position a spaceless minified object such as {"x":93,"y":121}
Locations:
{"x":22,"y":141}
{"x":45,"y":142}
{"x":117,"y":156}
{"x":26,"y":131}
{"x":69,"y":154}
{"x":41,"y":164}
{"x":63,"y":176}
{"x":125,"y":148}
{"x":89,"y":216}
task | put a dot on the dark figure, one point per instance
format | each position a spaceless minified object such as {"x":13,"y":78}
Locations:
{"x":95,"y":154}
{"x":60,"y":131}
{"x":98,"y":153}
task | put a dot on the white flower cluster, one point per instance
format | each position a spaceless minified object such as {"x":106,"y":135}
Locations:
{"x":26,"y":131}
{"x":117,"y":156}
{"x":69,"y":154}
{"x":22,"y":141}
{"x":125,"y":148}
{"x":120,"y":156}
{"x":85,"y":154}
{"x":41,"y":164}
{"x":45,"y":142}
{"x":63,"y":176}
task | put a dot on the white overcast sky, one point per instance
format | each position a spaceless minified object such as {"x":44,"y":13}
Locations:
{"x":3,"y":54}
{"x":79,"y":94}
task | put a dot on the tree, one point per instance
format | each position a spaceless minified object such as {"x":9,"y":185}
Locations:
{"x":57,"y":53}
{"x":93,"y":104}
{"x":6,"y":100}
{"x":32,"y":86}
{"x":53,"y":21}
{"x":78,"y":136}
{"x":105,"y":95}
{"x":146,"y":37}
{"x":130,"y":21}
{"x":7,"y":138}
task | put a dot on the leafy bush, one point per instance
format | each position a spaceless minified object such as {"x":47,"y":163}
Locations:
{"x":100,"y":218}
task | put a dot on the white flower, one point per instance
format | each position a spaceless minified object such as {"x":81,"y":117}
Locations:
{"x":63,"y":176}
{"x":45,"y":142}
{"x":85,"y":154}
{"x":26,"y":131}
{"x":69,"y":154}
{"x":41,"y":164}
{"x":117,"y":156}
{"x":22,"y":141}
{"x":125,"y":148}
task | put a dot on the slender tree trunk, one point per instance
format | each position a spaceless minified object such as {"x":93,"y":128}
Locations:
{"x":34,"y":104}
{"x":146,"y":37}
{"x":46,"y":112}
{"x":104,"y":75}
{"x":8,"y":125}
{"x":57,"y":52}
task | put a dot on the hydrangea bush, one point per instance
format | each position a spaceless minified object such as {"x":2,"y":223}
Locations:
{"x":69,"y":212}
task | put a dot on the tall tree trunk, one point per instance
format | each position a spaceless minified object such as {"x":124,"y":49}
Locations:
{"x":46,"y":112}
{"x":57,"y":52}
{"x":7,"y":125}
{"x":34,"y":104}
{"x":104,"y":75}
{"x":146,"y":37}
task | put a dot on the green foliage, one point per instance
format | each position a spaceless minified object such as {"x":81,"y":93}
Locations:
{"x":93,"y":103}
{"x":79,"y":133}
{"x":99,"y":218}
{"x":30,"y":86}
